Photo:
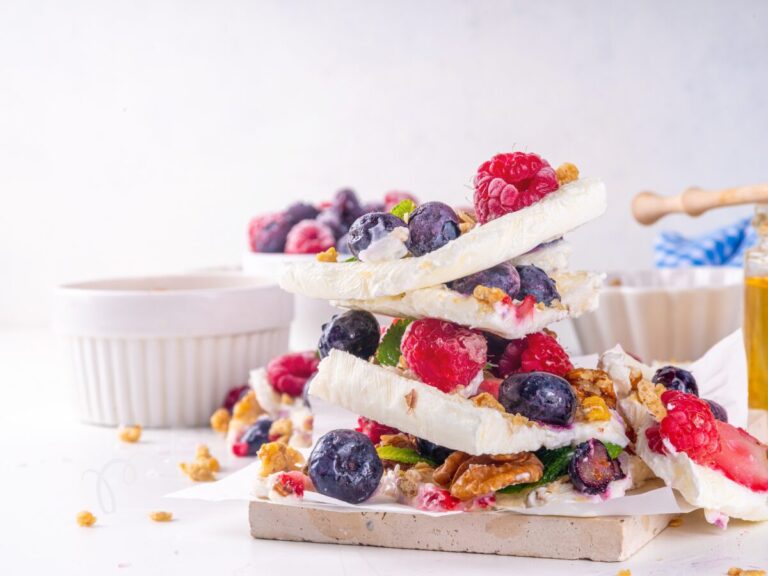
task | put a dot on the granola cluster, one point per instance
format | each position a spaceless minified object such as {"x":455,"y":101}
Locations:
{"x":204,"y":466}
{"x":129,"y":434}
{"x":279,"y":457}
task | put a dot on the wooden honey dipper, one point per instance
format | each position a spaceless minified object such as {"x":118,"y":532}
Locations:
{"x":648,"y":207}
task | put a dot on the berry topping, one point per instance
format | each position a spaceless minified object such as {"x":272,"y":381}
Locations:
{"x":289,"y":373}
{"x":394,"y":197}
{"x":535,"y":282}
{"x":291,"y":483}
{"x":674,"y":378}
{"x":373,"y":429}
{"x":309,"y":237}
{"x":443,"y":354}
{"x":347,"y":205}
{"x":432,"y":226}
{"x":655,"y":441}
{"x":331,"y":218}
{"x":434,"y":499}
{"x":718,"y":410}
{"x":490,"y":386}
{"x":508,"y":182}
{"x":741,"y":457}
{"x":504,"y":276}
{"x":300,"y":211}
{"x":539,"y":396}
{"x":233,"y":396}
{"x":537,"y":352}
{"x":369,"y":207}
{"x":354,"y":331}
{"x":592,"y":469}
{"x":376,"y":228}
{"x":252,"y":438}
{"x":342,"y":246}
{"x":689,"y":425}
{"x":268,"y":232}
{"x":436,"y":453}
{"x":344,"y":465}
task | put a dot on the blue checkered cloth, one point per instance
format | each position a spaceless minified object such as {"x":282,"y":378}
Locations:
{"x":722,"y":247}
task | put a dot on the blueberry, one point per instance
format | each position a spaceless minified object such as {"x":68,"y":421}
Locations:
{"x":432,"y":451}
{"x":355,"y":331}
{"x":348,"y":206}
{"x":591,"y":468}
{"x":674,"y":378}
{"x":536,"y":282}
{"x":300,"y":211}
{"x":503,"y":276}
{"x":332,"y":218}
{"x":540,"y":396}
{"x":432,"y":226}
{"x":371,"y":227}
{"x":718,"y":410}
{"x":342,"y":247}
{"x":344,"y":465}
{"x":369,"y":207}
{"x":256,"y":435}
{"x":268,"y":233}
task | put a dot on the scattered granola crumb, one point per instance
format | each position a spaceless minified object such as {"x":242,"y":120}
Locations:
{"x":624,"y":573}
{"x":281,"y":430}
{"x":247,"y":408}
{"x":740,"y":572}
{"x":85,"y":519}
{"x":279,"y":457}
{"x":197,"y":472}
{"x":410,"y":400}
{"x":329,"y":255}
{"x":161,"y":516}
{"x":676,"y":522}
{"x":490,"y":296}
{"x":595,"y":409}
{"x":220,"y":420}
{"x":204,"y":458}
{"x":650,"y":397}
{"x":130,"y":434}
{"x":566,"y":172}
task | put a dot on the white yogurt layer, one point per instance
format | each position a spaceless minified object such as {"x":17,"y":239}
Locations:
{"x":385,"y":244}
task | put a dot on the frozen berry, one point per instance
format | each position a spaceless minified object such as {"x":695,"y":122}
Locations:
{"x":347,"y":205}
{"x":373,"y":429}
{"x":331,"y":218}
{"x":292,"y":483}
{"x":537,"y":352}
{"x":443,"y":354}
{"x":432,"y":226}
{"x":309,"y":237}
{"x":394,"y":197}
{"x":741,"y":457}
{"x":491,"y":386}
{"x":373,"y":228}
{"x":503,"y":276}
{"x":252,"y":438}
{"x":289,"y":373}
{"x":508,"y":182}
{"x":535,"y":282}
{"x":718,"y":410}
{"x":539,"y":396}
{"x":369,"y":207}
{"x":344,"y":465}
{"x":233,"y":396}
{"x":354,"y":331}
{"x":268,"y":233}
{"x":655,"y":441}
{"x":674,"y":378}
{"x":432,"y":451}
{"x":592,"y":469}
{"x":689,"y":425}
{"x":342,"y":247}
{"x":299,"y":211}
{"x":434,"y":499}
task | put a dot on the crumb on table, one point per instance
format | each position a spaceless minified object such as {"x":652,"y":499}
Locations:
{"x":739,"y":572}
{"x":85,"y":519}
{"x":130,"y":434}
{"x":161,"y":516}
{"x":675,"y":522}
{"x":220,"y":420}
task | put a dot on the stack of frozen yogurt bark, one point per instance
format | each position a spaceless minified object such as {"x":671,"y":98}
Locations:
{"x":466,"y":400}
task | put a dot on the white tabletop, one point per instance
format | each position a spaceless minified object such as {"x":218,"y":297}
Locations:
{"x":51,"y":467}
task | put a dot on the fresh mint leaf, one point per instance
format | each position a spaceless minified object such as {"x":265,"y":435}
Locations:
{"x":351,"y":259}
{"x":402,"y":455}
{"x":613,"y":450}
{"x":388,"y":353}
{"x":403,"y":208}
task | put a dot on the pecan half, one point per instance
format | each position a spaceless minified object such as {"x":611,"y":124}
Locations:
{"x":444,"y":473}
{"x":586,"y":383}
{"x":483,"y":474}
{"x":399,"y":440}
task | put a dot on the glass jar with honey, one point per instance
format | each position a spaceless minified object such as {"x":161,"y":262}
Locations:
{"x":756,"y":312}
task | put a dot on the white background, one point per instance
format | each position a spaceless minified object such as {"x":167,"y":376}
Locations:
{"x":141,"y":136}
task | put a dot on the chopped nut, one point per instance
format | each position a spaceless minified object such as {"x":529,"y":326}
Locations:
{"x":85,"y":519}
{"x":490,"y":296}
{"x":467,"y":221}
{"x":483,"y":474}
{"x":281,"y":430}
{"x":402,"y":364}
{"x":161,"y":516}
{"x":586,"y":382}
{"x":407,"y":486}
{"x":398,"y":440}
{"x":410,"y":400}
{"x":130,"y":434}
{"x":595,"y":409}
{"x":566,"y":172}
{"x":675,"y":522}
{"x":444,"y":473}
{"x":220,"y":420}
{"x":329,"y":255}
{"x":279,"y":457}
{"x":486,"y":400}
{"x":197,"y":471}
{"x":650,"y":397}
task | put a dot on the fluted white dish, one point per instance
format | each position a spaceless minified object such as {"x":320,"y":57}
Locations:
{"x":659,"y":315}
{"x":163,"y":351}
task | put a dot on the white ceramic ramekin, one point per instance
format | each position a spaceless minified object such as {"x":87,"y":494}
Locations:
{"x":675,"y":314}
{"x":163,"y":351}
{"x":311,"y":313}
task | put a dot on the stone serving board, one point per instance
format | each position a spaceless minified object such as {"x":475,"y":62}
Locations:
{"x":605,"y":538}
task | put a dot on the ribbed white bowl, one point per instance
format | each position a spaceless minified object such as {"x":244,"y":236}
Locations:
{"x":164,"y":351}
{"x":664,"y":314}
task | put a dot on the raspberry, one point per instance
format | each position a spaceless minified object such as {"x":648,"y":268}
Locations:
{"x":443,"y":354}
{"x":655,"y":442}
{"x":537,"y":352}
{"x":233,"y":396}
{"x":268,"y":232}
{"x":291,"y":483}
{"x":394,"y":197}
{"x":434,"y":499}
{"x":508,"y":182}
{"x":309,"y":237}
{"x":373,"y":429}
{"x":689,"y":425}
{"x":288,"y":374}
